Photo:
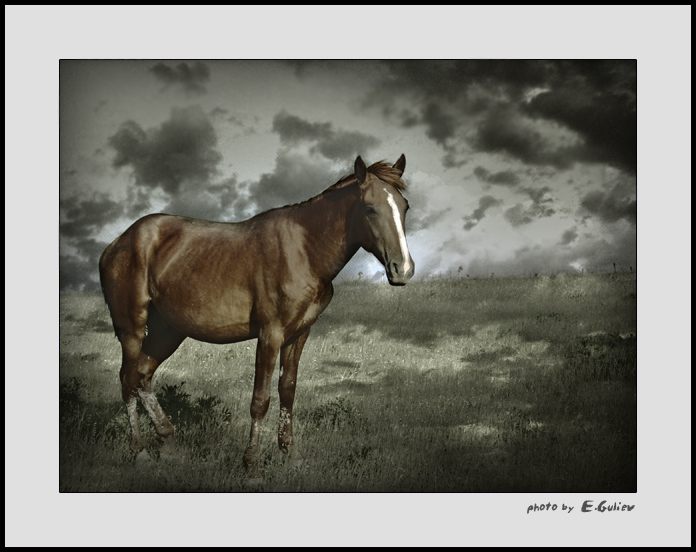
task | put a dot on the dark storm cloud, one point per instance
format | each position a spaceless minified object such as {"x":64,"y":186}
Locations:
{"x":504,"y":131}
{"x":181,"y":149}
{"x":569,"y":236}
{"x":446,"y":79}
{"x":419,"y":219}
{"x":294,"y":179}
{"x":503,"y":178}
{"x":80,"y":217}
{"x":306,"y":68}
{"x":540,"y":207}
{"x":199,"y":204}
{"x":615,"y":202}
{"x":91,"y":249}
{"x":440,"y":126}
{"x":333,"y":144}
{"x":219,"y":112}
{"x":235,"y":121}
{"x":500,"y":106}
{"x":75,"y":274}
{"x":598,"y":101}
{"x":138,"y":202}
{"x":539,"y":196}
{"x":293,"y":129}
{"x":452,"y":160}
{"x":518,"y":215}
{"x":190,"y":77}
{"x":227,"y":191}
{"x":212,"y":202}
{"x":173,"y":163}
{"x":180,"y":158}
{"x":79,"y":271}
{"x":485,"y":203}
{"x":610,"y":206}
{"x":346,"y":145}
{"x":453,"y":94}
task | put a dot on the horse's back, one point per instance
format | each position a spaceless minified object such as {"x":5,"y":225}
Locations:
{"x":123,"y":275}
{"x":218,"y":282}
{"x":154,"y":239}
{"x":200,"y":275}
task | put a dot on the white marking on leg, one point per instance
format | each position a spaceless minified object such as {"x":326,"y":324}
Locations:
{"x":132,"y":411}
{"x":153,"y":409}
{"x":283,"y":421}
{"x":399,"y":230}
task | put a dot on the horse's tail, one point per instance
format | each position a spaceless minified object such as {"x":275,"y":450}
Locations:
{"x":102,"y":272}
{"x":123,"y":275}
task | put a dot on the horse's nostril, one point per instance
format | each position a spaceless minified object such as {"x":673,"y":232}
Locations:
{"x":395,"y":268}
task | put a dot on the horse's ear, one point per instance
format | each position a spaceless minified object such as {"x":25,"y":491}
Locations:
{"x":360,"y":170}
{"x":400,"y":164}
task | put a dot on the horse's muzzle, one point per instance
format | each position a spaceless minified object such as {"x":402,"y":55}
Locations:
{"x":396,"y":274}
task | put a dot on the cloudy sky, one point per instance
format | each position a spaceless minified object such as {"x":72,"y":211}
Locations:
{"x":513,"y":166}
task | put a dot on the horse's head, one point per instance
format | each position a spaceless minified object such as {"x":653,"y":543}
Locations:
{"x":383,"y":213}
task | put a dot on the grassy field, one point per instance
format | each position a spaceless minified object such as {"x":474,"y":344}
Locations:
{"x":458,"y":385}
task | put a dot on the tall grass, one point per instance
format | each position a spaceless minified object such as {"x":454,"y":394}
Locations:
{"x":456,"y":385}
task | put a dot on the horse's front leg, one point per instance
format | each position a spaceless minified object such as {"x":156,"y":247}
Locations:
{"x":267,"y":349}
{"x":289,"y":360}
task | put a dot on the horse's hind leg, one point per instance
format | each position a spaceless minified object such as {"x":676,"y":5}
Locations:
{"x":159,"y":344}
{"x":130,"y":346}
{"x":141,"y":357}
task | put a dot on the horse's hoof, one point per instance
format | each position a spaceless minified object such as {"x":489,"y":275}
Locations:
{"x":253,"y":482}
{"x":169,"y":453}
{"x":143,"y":458}
{"x":295,"y":462}
{"x":293,"y":458}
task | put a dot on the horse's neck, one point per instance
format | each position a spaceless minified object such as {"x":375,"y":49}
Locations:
{"x":331,"y":238}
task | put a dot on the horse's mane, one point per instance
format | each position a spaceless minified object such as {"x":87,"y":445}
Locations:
{"x":382,"y":170}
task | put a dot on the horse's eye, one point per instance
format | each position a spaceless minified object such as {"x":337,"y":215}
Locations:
{"x":370,"y":210}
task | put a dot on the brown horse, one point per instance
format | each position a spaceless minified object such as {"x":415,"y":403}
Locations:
{"x":167,"y":278}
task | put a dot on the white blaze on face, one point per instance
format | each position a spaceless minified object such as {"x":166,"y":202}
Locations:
{"x":399,"y":230}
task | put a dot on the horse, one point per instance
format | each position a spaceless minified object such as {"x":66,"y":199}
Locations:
{"x":268,"y":278}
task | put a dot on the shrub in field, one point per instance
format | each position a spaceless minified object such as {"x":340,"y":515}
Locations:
{"x":518,"y":428}
{"x":69,"y":397}
{"x":101,"y":423}
{"x":208,"y":411}
{"x":86,"y":421}
{"x":602,"y":357}
{"x":336,"y":414}
{"x":200,"y":423}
